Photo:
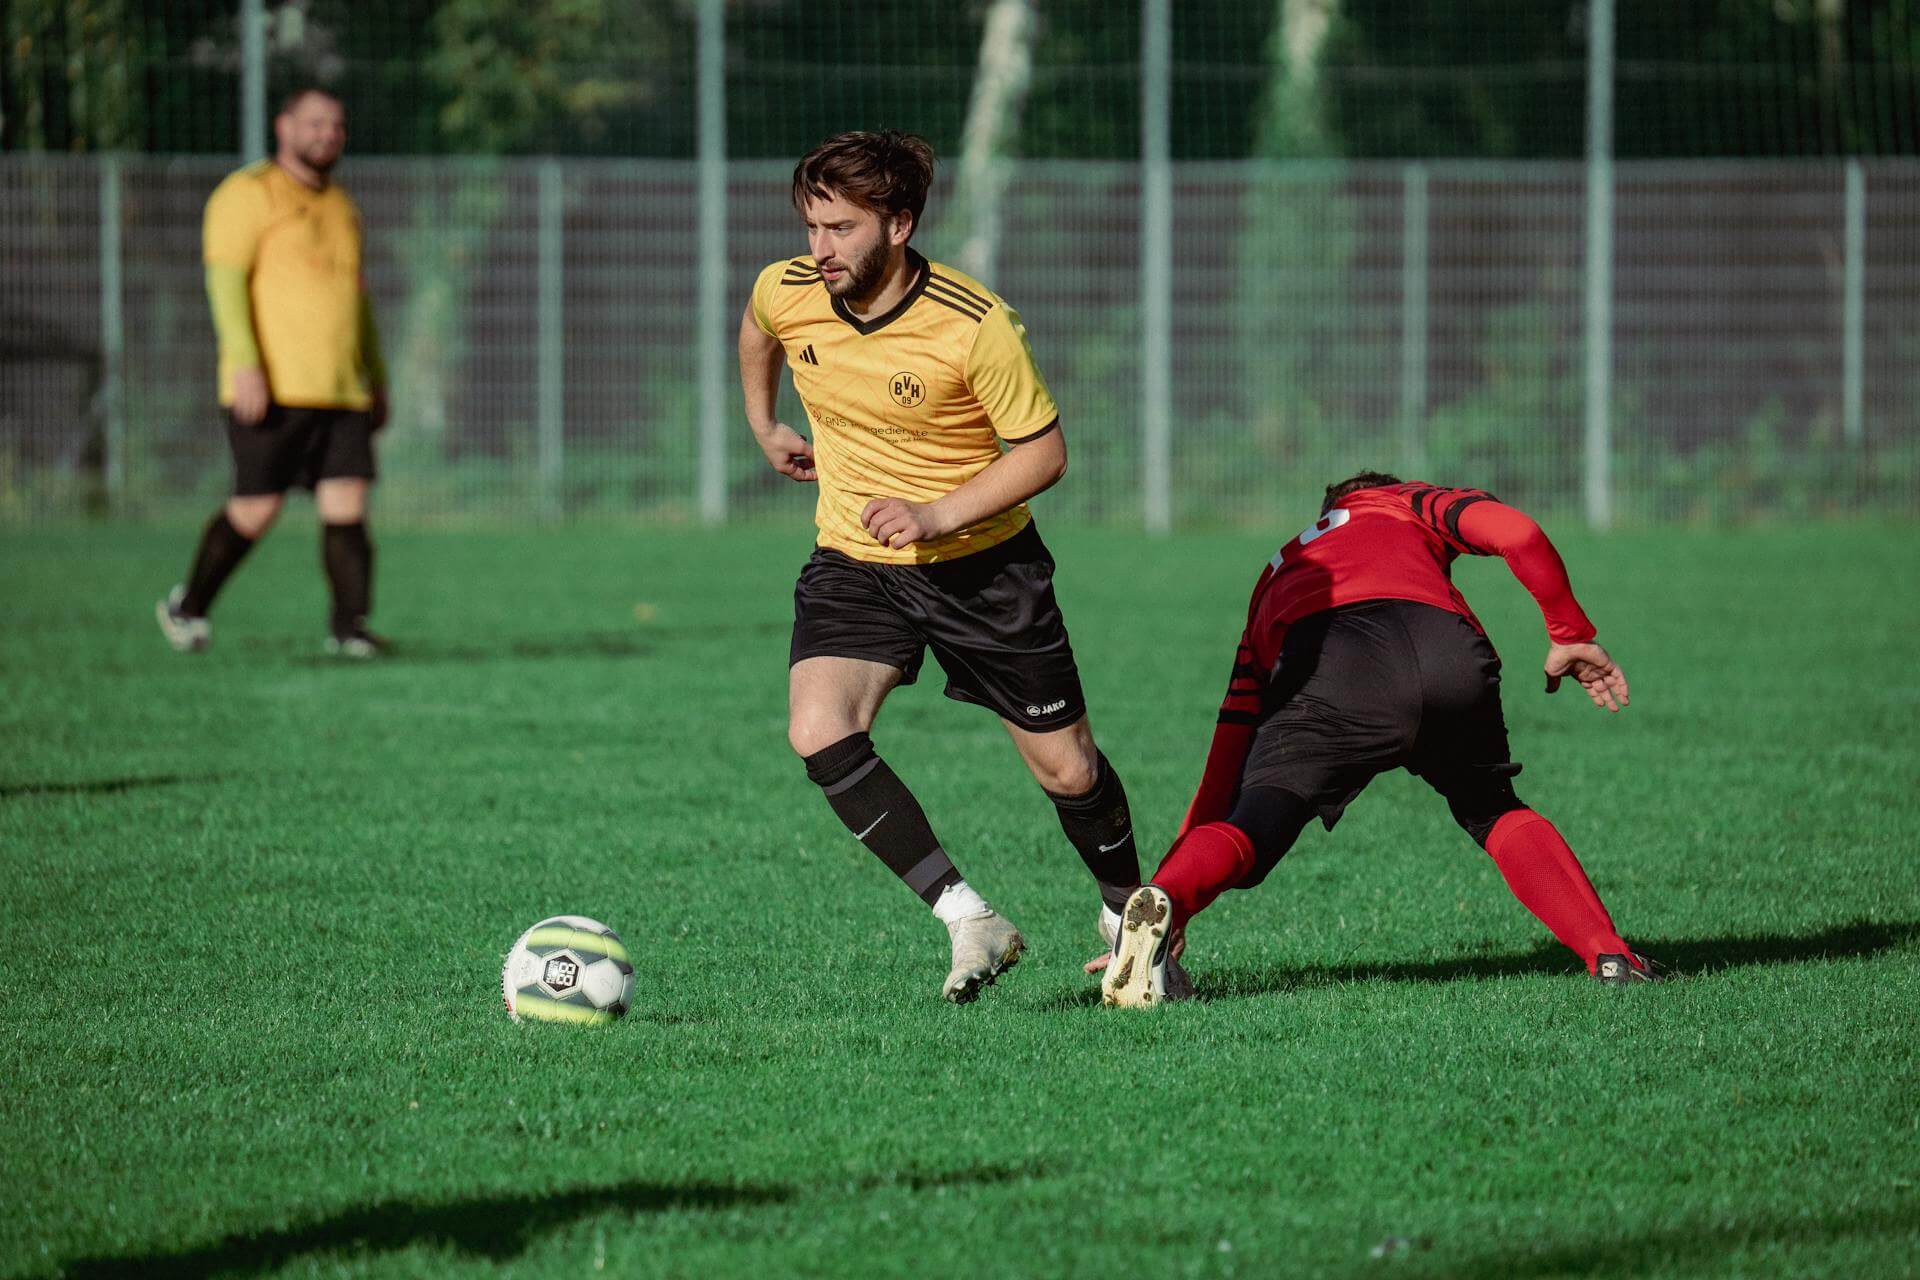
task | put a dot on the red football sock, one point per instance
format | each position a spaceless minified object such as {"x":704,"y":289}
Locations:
{"x":1549,"y":881}
{"x":1207,"y":862}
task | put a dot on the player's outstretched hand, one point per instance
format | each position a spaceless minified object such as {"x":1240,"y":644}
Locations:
{"x":1593,"y":667}
{"x":787,"y":452}
{"x":895,"y":522}
{"x":251,"y":396}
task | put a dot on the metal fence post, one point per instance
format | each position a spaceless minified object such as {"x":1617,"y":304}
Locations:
{"x":1853,"y":359}
{"x":712,"y":310}
{"x":1413,"y":319}
{"x":113,"y":343}
{"x":253,"y":80}
{"x":1156,"y":280}
{"x":1599,"y":432}
{"x":550,"y":364}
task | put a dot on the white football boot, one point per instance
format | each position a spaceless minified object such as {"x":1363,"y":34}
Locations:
{"x":1178,"y":985}
{"x":984,"y":947}
{"x":186,"y":634}
{"x":1136,"y":977}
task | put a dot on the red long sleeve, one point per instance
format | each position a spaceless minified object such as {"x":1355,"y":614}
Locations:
{"x":1493,"y":528}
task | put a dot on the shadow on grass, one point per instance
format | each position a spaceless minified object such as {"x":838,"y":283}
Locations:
{"x":493,"y":1227}
{"x":103,"y":786}
{"x":1681,"y":957}
{"x":1685,"y":1249}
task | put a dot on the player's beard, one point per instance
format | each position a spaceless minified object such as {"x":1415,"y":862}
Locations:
{"x":864,"y":274}
{"x":320,"y":157}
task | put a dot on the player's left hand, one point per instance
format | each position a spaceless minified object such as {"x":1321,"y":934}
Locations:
{"x":895,"y":522}
{"x":1595,"y":670}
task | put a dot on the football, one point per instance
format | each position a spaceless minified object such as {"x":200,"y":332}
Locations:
{"x":567,"y":969}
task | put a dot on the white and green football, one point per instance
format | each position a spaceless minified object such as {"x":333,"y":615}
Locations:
{"x":567,"y":969}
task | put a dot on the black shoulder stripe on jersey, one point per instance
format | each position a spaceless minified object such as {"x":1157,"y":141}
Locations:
{"x":803,"y":264}
{"x":1419,"y":500}
{"x":1453,"y":517}
{"x":1239,"y":717}
{"x":975,"y":316}
{"x":1247,"y":671}
{"x":963,"y":291}
{"x":795,"y":277}
{"x":800,"y":283}
{"x":937,"y":290}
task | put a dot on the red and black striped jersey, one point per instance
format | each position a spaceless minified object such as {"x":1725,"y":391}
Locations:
{"x":1397,"y":542}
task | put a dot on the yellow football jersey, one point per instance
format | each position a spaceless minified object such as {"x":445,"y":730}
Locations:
{"x":301,"y":250}
{"x":910,"y":404}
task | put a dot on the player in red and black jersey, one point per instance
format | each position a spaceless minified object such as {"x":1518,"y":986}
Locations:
{"x":1360,"y":656}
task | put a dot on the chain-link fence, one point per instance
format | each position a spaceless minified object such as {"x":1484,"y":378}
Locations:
{"x":1426,"y":317}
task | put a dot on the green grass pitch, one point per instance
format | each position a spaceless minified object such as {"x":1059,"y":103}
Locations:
{"x":256,"y":903}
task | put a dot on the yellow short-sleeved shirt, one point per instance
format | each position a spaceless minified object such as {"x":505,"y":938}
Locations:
{"x":911,"y":404}
{"x":301,"y":250}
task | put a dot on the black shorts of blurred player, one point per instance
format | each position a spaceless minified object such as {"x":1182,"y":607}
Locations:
{"x":297,"y":448}
{"x":990,"y":619}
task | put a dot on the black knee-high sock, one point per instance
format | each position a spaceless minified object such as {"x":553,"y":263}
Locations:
{"x":349,"y":559}
{"x":1101,"y":827}
{"x":222,"y":548}
{"x":882,"y":814}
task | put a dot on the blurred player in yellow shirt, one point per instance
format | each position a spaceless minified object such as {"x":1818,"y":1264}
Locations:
{"x":300,"y":371}
{"x":932,"y":427}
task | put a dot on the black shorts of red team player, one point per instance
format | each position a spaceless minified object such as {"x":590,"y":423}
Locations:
{"x":297,"y":448}
{"x":990,"y":618}
{"x":1379,"y":685}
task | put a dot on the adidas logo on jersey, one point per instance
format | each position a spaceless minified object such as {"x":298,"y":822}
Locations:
{"x":807,"y":356}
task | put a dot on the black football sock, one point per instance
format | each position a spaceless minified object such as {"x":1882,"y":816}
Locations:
{"x":1101,"y":828}
{"x":882,"y":814}
{"x":222,"y":548}
{"x":349,"y":560}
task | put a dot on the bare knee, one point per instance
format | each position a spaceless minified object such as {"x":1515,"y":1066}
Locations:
{"x":341,"y":501}
{"x":1066,"y":774}
{"x":813,"y":732}
{"x":254,"y":514}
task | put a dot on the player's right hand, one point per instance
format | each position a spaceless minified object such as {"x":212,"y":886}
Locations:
{"x":1593,"y":667}
{"x":787,"y":452}
{"x":250,"y":396}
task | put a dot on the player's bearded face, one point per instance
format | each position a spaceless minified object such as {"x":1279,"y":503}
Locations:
{"x":850,"y":245}
{"x":864,"y":268}
{"x":315,"y":131}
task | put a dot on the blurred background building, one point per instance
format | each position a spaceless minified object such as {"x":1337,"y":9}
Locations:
{"x":1637,"y":260}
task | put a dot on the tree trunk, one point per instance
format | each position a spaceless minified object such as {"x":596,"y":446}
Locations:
{"x":993,"y":120}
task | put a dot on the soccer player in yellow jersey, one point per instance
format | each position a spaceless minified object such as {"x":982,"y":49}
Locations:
{"x":932,"y":427}
{"x":300,"y":370}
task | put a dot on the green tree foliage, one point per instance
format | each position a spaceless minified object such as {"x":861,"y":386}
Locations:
{"x":1395,"y":78}
{"x":73,"y":72}
{"x":550,"y":75}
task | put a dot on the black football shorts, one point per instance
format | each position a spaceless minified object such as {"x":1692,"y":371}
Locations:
{"x":990,"y":618}
{"x":1385,"y":684}
{"x":297,"y":448}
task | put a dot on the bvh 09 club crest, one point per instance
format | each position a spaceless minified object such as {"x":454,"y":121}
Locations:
{"x":907,"y":390}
